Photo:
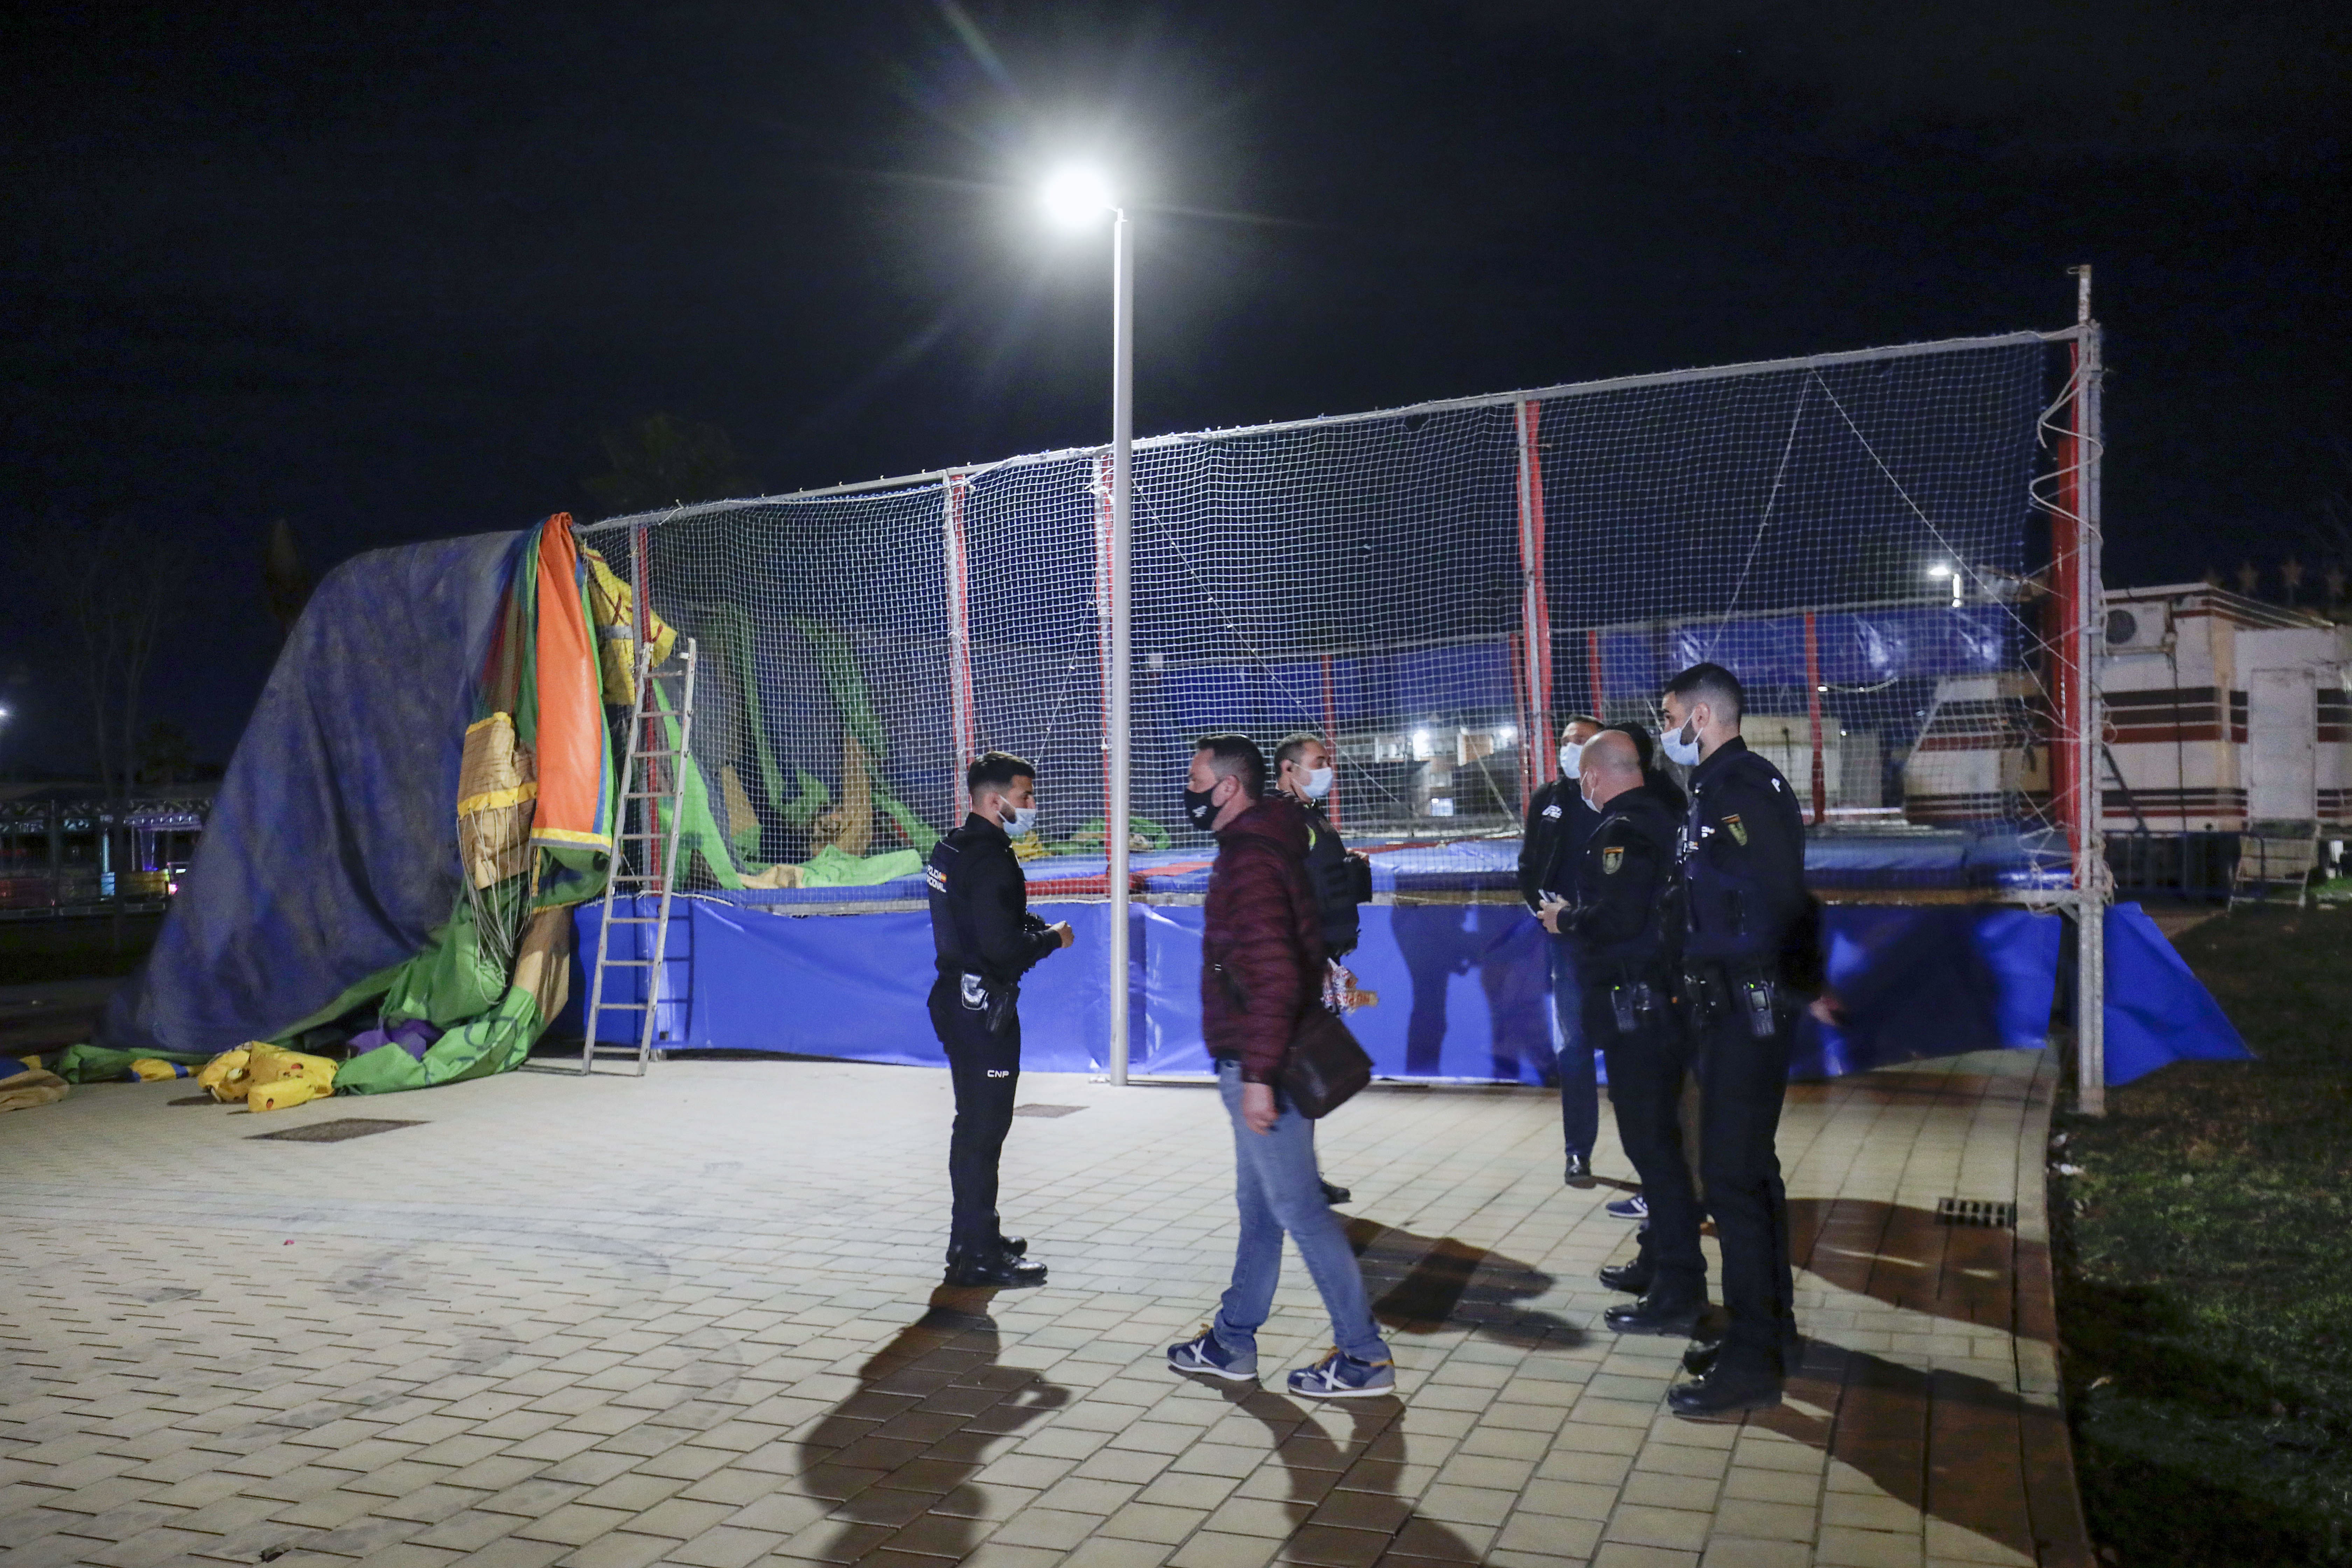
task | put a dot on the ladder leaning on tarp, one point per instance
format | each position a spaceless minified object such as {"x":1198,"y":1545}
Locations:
{"x":646,"y":851}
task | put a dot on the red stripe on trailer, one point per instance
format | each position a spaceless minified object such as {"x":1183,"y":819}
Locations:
{"x":1813,"y":713}
{"x":962,"y":725}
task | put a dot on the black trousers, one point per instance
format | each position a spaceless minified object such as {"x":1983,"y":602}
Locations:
{"x":986,"y":1071}
{"x":1646,"y":1085}
{"x":1742,"y":1080}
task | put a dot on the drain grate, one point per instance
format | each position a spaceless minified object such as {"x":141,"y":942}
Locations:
{"x":1047,"y":1109}
{"x":332,"y":1131}
{"x":1975,"y":1211}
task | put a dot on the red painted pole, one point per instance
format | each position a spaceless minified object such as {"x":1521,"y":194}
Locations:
{"x":1813,"y":711}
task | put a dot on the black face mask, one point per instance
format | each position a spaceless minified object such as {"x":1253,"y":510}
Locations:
{"x":1202,"y":811}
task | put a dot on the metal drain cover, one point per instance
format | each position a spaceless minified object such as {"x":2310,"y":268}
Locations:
{"x":334,"y":1132}
{"x":1976,"y":1211}
{"x":1047,"y":1109}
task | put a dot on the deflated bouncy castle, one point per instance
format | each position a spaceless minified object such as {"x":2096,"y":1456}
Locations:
{"x":424,"y":792}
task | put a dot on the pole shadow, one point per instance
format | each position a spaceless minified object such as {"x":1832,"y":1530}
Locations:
{"x":895,"y":1460}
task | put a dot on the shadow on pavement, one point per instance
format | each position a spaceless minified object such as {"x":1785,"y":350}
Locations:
{"x":895,"y":1460}
{"x":1344,"y":1490}
{"x":1422,"y":1283}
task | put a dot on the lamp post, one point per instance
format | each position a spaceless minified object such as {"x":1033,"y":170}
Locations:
{"x":1076,"y":196}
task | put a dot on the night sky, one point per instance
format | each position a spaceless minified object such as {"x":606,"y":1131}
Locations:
{"x":388,"y":271}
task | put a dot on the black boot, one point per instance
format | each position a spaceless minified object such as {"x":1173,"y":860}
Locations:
{"x":993,"y":1267}
{"x":1333,"y":1195}
{"x":1633,"y":1276}
{"x":1735,"y":1382}
{"x":1707,"y":1347}
{"x":1012,"y":1245}
{"x":1663,"y":1311}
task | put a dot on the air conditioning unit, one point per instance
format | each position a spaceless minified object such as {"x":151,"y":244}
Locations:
{"x":2140,"y":628}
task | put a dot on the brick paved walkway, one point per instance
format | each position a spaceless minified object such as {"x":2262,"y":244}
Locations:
{"x":692,"y":1320}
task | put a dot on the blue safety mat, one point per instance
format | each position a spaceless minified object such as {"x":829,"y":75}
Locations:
{"x":2159,"y":1011}
{"x":1464,"y":987}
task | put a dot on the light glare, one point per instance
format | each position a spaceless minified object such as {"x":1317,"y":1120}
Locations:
{"x":1077,"y":196}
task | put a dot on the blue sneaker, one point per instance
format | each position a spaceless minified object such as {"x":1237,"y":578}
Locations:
{"x":1203,"y":1352}
{"x":1631,"y":1207}
{"x":1340,"y":1375}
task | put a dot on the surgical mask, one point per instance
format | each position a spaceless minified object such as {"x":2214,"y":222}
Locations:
{"x":1681,"y":745}
{"x":1198,"y":809}
{"x":1571,"y":754}
{"x":1019,"y":819}
{"x":1318,"y":782}
{"x":1585,"y":795}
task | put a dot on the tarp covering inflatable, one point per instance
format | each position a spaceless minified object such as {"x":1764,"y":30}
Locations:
{"x":424,"y":788}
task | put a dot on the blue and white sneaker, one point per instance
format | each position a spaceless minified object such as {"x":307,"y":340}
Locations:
{"x":1203,"y":1352}
{"x":1340,"y":1375}
{"x":1634,"y":1205}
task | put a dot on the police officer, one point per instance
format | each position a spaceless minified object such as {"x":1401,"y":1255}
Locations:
{"x":1340,"y":878}
{"x":986,"y":939}
{"x":1620,"y":915}
{"x":1743,"y":894}
{"x":1558,"y":822}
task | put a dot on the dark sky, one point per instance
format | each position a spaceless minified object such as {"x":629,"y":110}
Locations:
{"x":386,"y":271}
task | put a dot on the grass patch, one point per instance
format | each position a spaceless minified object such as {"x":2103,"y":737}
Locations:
{"x":2205,"y":1278}
{"x":80,"y":948}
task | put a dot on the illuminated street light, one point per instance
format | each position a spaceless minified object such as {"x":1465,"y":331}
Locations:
{"x":1073,"y":197}
{"x":1945,"y":569}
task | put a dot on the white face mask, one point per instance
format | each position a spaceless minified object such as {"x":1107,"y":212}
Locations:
{"x":1019,"y":819}
{"x":1585,"y":795}
{"x":1571,"y":754}
{"x":1318,"y":782}
{"x":1681,"y":745}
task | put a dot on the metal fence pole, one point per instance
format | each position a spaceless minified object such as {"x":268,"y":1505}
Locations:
{"x":1122,"y":630}
{"x":2090,"y":878}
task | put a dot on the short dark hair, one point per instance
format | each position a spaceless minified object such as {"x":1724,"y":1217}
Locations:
{"x":1291,"y":747}
{"x":1714,"y":686}
{"x":1235,"y":757}
{"x":996,"y":770}
{"x":1642,"y":743}
{"x":1568,"y":719}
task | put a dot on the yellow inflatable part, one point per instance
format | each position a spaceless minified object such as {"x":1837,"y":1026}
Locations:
{"x":273,"y":1064}
{"x":285,"y":1092}
{"x":225,"y":1077}
{"x":147,"y":1069}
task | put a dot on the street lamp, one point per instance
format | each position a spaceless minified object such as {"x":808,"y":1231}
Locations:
{"x":1075,"y":197}
{"x":1944,"y":569}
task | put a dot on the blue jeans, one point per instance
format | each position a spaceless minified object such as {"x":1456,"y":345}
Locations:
{"x":1580,"y":1086}
{"x":1278,"y":1191}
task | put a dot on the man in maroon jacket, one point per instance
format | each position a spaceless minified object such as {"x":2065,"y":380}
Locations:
{"x":1262,"y":966}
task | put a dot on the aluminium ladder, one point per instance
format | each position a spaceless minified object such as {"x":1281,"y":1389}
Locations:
{"x":645,"y":857}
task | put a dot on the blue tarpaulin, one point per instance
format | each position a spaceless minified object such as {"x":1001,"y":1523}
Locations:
{"x":2159,"y":1011}
{"x":332,"y":849}
{"x":1463,"y":987}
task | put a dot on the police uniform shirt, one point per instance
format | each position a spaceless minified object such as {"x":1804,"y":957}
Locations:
{"x":1622,"y":877}
{"x":1743,"y":854}
{"x":1339,"y":881}
{"x":980,"y":922}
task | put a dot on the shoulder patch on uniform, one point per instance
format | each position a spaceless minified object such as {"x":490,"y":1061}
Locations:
{"x":1611,"y":858}
{"x":1775,"y":780}
{"x":1552,"y":810}
{"x":936,"y":878}
{"x":1736,"y":828}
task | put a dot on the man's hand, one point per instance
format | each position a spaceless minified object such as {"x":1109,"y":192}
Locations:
{"x":1062,"y":928}
{"x":1828,"y":1008}
{"x":1554,"y":906}
{"x":1257,"y":1107}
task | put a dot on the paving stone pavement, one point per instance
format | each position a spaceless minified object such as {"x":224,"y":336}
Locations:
{"x":693,"y":1319}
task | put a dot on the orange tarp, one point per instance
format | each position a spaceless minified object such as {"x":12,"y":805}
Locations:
{"x":570,"y":704}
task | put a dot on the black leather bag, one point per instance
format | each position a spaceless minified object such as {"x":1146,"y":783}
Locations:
{"x":1324,"y":1067}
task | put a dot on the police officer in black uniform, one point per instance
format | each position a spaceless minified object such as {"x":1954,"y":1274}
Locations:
{"x":1557,"y":824}
{"x":986,"y":939}
{"x":1743,"y":894}
{"x":1622,"y":916}
{"x":1341,"y":877}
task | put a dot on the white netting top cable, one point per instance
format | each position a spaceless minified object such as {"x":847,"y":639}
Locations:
{"x":1369,"y":579}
